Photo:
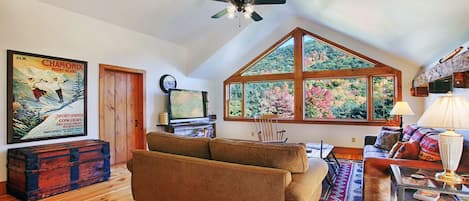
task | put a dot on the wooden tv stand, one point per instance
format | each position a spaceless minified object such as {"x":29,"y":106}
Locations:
{"x":193,"y":129}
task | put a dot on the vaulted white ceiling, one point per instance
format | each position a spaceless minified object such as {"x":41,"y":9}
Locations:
{"x":420,"y":31}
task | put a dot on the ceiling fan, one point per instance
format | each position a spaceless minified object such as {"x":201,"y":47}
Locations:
{"x":245,"y":7}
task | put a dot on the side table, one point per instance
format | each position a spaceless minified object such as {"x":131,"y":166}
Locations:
{"x":402,"y":180}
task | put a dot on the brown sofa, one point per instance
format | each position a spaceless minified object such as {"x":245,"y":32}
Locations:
{"x":376,"y":169}
{"x":194,"y":169}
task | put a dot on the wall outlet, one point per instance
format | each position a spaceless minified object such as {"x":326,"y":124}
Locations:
{"x":252,"y":134}
{"x":354,"y":139}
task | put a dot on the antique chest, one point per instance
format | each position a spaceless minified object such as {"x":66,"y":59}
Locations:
{"x":41,"y":171}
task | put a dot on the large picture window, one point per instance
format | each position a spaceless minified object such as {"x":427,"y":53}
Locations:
{"x":305,"y":78}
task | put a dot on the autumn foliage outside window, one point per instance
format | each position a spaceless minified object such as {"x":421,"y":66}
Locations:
{"x":335,"y":85}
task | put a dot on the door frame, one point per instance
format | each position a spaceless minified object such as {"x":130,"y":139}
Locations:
{"x":142,"y":73}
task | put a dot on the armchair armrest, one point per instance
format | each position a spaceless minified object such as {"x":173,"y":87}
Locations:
{"x":380,"y":166}
{"x":304,"y":185}
{"x":370,"y":140}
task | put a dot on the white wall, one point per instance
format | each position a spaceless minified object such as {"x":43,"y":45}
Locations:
{"x":338,"y":135}
{"x":32,"y":26}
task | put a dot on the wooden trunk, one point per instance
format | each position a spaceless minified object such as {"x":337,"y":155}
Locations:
{"x":41,"y":171}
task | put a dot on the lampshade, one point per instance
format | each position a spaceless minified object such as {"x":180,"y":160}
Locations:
{"x":401,"y":108}
{"x":449,"y":112}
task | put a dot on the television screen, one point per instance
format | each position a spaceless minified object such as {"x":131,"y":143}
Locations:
{"x":442,"y":85}
{"x":186,"y":104}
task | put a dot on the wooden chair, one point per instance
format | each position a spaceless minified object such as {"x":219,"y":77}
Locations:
{"x":267,"y":129}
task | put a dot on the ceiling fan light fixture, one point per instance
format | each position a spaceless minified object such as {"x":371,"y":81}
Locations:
{"x":244,"y":7}
{"x":231,"y":9}
{"x":249,"y":9}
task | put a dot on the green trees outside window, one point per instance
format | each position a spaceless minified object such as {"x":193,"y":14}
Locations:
{"x":278,"y":61}
{"x":320,"y":56}
{"x":343,"y":98}
{"x":236,"y":97}
{"x":273,"y":97}
{"x":383,"y":96}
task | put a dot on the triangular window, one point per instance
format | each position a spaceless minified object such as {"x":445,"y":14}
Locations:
{"x":319,"y":56}
{"x":280,"y":60}
{"x":305,"y":78}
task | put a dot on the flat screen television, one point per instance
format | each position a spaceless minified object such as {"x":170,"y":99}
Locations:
{"x":187,"y":106}
{"x":441,"y":86}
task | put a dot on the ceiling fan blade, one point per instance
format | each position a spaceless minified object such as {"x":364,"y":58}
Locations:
{"x":255,"y":16}
{"x":258,"y":2}
{"x":220,"y":14}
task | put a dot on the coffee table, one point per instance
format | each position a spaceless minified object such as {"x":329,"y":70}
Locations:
{"x":403,"y":181}
{"x":325,"y":152}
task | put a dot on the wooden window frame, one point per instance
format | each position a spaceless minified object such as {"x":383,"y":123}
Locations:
{"x":298,"y":77}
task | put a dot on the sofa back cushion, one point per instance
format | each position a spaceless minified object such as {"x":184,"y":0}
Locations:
{"x":174,"y":144}
{"x":287,"y":156}
{"x":386,"y":139}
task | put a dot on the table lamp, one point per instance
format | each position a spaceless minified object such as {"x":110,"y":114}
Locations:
{"x":401,"y":108}
{"x":449,"y":112}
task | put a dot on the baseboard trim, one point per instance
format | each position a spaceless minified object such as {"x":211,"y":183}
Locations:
{"x":3,"y":187}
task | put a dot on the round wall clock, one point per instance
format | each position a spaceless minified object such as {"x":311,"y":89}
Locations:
{"x":167,"y":82}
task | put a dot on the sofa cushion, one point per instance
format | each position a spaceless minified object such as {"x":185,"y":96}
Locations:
{"x":288,"y":156}
{"x":174,"y":144}
{"x":370,"y":151}
{"x":386,"y":139}
{"x":409,"y":131}
{"x":408,"y":150}
{"x":429,"y":149}
{"x":394,"y":149}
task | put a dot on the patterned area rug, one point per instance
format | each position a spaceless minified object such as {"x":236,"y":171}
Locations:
{"x":347,"y":185}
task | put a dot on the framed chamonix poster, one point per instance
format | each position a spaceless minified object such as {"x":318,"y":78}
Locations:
{"x":46,"y":97}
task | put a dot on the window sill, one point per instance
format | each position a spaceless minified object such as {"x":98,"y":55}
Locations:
{"x":329,"y":122}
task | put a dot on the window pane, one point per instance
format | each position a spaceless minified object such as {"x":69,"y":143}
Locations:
{"x":278,"y":61}
{"x":343,"y":98}
{"x":383,"y":96}
{"x":235,"y":98}
{"x":320,"y":56}
{"x":272,"y":97}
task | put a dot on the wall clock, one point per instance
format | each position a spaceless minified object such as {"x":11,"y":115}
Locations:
{"x":167,"y":82}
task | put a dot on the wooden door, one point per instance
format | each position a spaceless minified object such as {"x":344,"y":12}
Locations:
{"x":121,"y":118}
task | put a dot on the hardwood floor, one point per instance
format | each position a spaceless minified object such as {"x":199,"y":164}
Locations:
{"x":348,"y":153}
{"x":117,"y":188}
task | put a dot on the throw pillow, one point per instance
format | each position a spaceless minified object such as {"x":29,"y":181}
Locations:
{"x":408,"y":150}
{"x":409,"y":131}
{"x":394,"y":149}
{"x":429,"y":149}
{"x":386,"y":139}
